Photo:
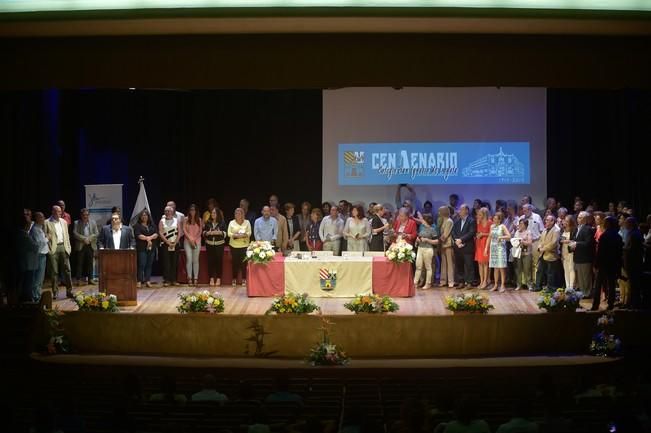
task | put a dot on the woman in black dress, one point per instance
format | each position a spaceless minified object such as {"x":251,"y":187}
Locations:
{"x":377,"y":229}
{"x":214,"y":232}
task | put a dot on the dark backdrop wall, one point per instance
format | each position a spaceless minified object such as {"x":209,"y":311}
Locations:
{"x":188,"y":145}
{"x":191,"y":145}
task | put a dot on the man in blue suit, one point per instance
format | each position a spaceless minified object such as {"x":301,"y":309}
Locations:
{"x":116,"y":236}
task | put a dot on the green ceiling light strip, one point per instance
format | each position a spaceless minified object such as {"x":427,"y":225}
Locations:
{"x":21,"y":6}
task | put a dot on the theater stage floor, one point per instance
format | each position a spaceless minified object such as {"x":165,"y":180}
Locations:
{"x":163,"y":300}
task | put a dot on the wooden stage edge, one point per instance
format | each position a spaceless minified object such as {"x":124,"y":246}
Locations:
{"x":292,"y":364}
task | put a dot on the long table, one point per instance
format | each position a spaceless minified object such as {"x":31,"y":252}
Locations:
{"x":314,"y":276}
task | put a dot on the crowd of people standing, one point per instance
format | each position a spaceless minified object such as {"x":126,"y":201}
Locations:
{"x":511,"y":245}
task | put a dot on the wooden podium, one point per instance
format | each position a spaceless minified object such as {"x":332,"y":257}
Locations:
{"x":117,"y":275}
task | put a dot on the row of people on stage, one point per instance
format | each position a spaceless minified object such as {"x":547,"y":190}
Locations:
{"x":457,"y":243}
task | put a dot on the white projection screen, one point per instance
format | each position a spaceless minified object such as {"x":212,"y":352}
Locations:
{"x":455,"y":126}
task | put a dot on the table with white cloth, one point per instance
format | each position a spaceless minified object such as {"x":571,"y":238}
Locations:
{"x":329,"y":277}
{"x":314,"y":276}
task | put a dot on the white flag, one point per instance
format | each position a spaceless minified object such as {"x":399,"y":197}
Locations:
{"x":141,"y":203}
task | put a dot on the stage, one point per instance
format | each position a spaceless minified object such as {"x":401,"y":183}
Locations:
{"x":423,"y":328}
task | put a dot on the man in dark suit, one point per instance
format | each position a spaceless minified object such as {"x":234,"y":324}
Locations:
{"x":584,"y":250}
{"x":608,"y":263}
{"x":116,"y":236}
{"x":463,"y":234}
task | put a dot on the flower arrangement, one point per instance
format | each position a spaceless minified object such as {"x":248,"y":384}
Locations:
{"x":57,"y":340}
{"x":603,"y":342}
{"x":325,"y":352}
{"x":400,"y":252}
{"x":200,"y":302}
{"x":292,"y":303}
{"x":96,"y":302}
{"x":259,"y":252}
{"x":372,"y":304}
{"x":559,"y":300}
{"x":469,"y":302}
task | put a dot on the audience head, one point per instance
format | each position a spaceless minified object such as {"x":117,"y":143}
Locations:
{"x":325,"y":208}
{"x":427,"y":207}
{"x":500,"y":206}
{"x":511,"y":208}
{"x":444,"y":212}
{"x":403,"y":214}
{"x":464,"y":210}
{"x":378,"y":210}
{"x":631,"y":223}
{"x":612,"y":207}
{"x":172,"y":205}
{"x":600,"y":219}
{"x":620,"y":206}
{"x":289,"y":210}
{"x":428,"y":218}
{"x":84,"y":214}
{"x":578,"y":206}
{"x":582,"y":218}
{"x":244,"y":204}
{"x":274,"y":211}
{"x":239,"y":215}
{"x":407,"y":203}
{"x":115,"y":221}
{"x":334,"y":211}
{"x":56,"y":212}
{"x":209,"y":382}
{"x":169,"y":212}
{"x":476,"y":204}
{"x":569,"y":223}
{"x":316,"y":215}
{"x":551,"y":203}
{"x":144,"y":217}
{"x":453,"y":200}
{"x":498,"y":218}
{"x":193,"y":214}
{"x":266,"y":212}
{"x":62,"y":205}
{"x":562,"y":212}
{"x":482,"y":214}
{"x":273,"y":200}
{"x":306,"y":207}
{"x":550,"y":221}
{"x":523,"y":224}
{"x":344,"y":206}
{"x":27,"y":217}
{"x":215,"y":216}
{"x":39,"y":218}
{"x":526,"y":199}
{"x":211,"y":204}
{"x":527,"y":209}
{"x":611,"y":223}
{"x":357,"y":211}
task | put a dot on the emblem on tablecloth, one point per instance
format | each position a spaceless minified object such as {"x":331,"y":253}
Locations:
{"x":327,"y":278}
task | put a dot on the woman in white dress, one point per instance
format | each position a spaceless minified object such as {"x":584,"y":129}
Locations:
{"x":357,"y":230}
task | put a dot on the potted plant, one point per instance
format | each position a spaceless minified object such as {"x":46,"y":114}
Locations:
{"x":200,"y":302}
{"x":469,"y":303}
{"x":372,"y":304}
{"x":292,"y":303}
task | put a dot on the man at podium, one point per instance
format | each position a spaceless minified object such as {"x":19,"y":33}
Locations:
{"x":116,"y":236}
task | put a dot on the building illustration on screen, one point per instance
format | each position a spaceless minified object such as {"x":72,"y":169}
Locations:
{"x":354,"y":164}
{"x":495,"y":165}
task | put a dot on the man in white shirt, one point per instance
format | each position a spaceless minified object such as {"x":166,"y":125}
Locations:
{"x":330,"y":231}
{"x":535,"y":227}
{"x":180,"y":217}
{"x":56,"y":230}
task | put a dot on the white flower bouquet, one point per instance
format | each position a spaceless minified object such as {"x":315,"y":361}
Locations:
{"x":200,"y":302}
{"x":400,"y":252}
{"x":259,"y":252}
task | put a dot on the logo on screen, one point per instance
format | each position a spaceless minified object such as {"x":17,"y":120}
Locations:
{"x":354,"y":164}
{"x":495,"y":165}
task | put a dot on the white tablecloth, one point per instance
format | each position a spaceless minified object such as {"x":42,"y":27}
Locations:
{"x":354,"y":276}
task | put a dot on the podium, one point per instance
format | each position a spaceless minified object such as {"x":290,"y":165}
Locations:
{"x":117,"y":275}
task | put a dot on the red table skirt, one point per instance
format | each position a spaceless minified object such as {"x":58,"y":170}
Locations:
{"x":395,"y":280}
{"x":227,"y":274}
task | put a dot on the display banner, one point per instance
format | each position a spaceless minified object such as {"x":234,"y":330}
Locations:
{"x":465,"y":163}
{"x":100,"y":199}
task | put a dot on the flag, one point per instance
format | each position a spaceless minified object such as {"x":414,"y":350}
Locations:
{"x":141,"y":203}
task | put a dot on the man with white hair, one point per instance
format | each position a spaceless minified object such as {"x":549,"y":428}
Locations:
{"x":169,"y":229}
{"x":56,"y":230}
{"x":549,"y":253}
{"x":584,"y":252}
{"x":535,"y":227}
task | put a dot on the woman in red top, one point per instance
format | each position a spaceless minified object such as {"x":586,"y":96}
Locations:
{"x":481,"y":255}
{"x":404,"y":226}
